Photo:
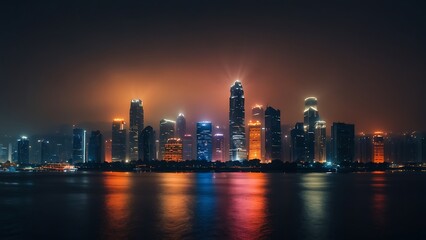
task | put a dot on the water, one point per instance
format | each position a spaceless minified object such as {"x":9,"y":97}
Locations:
{"x":212,"y":206}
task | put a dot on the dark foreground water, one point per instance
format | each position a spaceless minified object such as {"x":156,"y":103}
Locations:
{"x":212,"y":206}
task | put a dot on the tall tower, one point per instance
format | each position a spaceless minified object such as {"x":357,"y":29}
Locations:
{"x":79,"y":145}
{"x":320,"y":142}
{"x":188,"y":147}
{"x":147,"y":141}
{"x":96,"y":152}
{"x":237,"y":132}
{"x":297,"y":143}
{"x":180,"y":126}
{"x":23,"y":150}
{"x":118,"y":148}
{"x":258,"y":114}
{"x":272,"y":134}
{"x":310,"y":117}
{"x":204,"y":141}
{"x":167,"y":130}
{"x":342,"y":142}
{"x":218,"y":147}
{"x":255,"y":139}
{"x":378,"y":148}
{"x":135,"y":127}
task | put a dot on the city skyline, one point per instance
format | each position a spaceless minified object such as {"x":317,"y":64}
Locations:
{"x":71,"y":64}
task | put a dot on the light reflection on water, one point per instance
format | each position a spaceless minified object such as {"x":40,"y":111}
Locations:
{"x":212,"y":206}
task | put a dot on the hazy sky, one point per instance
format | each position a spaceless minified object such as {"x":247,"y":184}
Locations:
{"x":83,"y":61}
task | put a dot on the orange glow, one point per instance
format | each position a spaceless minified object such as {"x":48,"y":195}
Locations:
{"x":173,"y":150}
{"x":117,"y":204}
{"x":118,"y":119}
{"x":378,"y":148}
{"x":108,"y":149}
{"x":255,"y":146}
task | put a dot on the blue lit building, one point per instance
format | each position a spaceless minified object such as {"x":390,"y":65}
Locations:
{"x":23,"y":150}
{"x":204,"y":141}
{"x":79,"y":145}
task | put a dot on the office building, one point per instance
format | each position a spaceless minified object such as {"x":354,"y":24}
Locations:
{"x":167,"y":130}
{"x":147,"y":140}
{"x":237,"y":132}
{"x":320,"y":142}
{"x":173,"y":150}
{"x":255,"y":139}
{"x":342,"y":142}
{"x":136,"y":125}
{"x":273,"y":144}
{"x":218,"y":147}
{"x":23,"y":151}
{"x":188,"y":147}
{"x":204,"y":141}
{"x":180,"y":126}
{"x":310,"y":117}
{"x":79,"y":145}
{"x":297,"y":135}
{"x":118,"y":146}
{"x":96,"y":151}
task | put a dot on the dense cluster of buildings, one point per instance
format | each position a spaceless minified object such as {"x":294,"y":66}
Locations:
{"x":262,"y":137}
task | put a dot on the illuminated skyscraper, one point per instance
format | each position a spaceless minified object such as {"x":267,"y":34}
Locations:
{"x":23,"y":151}
{"x":204,"y":141}
{"x":108,"y":150}
{"x":118,"y":148}
{"x":237,"y":132}
{"x":255,"y":139}
{"x":258,"y":114}
{"x":272,"y":134}
{"x":167,"y":130}
{"x":298,"y":143}
{"x":79,"y":145}
{"x":173,"y":150}
{"x":180,"y":126}
{"x":364,"y":148}
{"x":135,"y":127}
{"x":43,"y":149}
{"x":311,"y":116}
{"x":342,"y":142}
{"x":218,"y":147}
{"x":378,"y":148}
{"x":188,"y":147}
{"x":96,"y":152}
{"x":147,"y":141}
{"x":320,"y":142}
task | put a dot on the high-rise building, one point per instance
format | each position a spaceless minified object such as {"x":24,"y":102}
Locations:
{"x":173,"y":150}
{"x":272,"y":134}
{"x":188,"y":147}
{"x":180,"y":126}
{"x":147,"y":140}
{"x":135,"y":127}
{"x":167,"y":130}
{"x":237,"y":132}
{"x":23,"y":151}
{"x":364,"y":148}
{"x":118,"y":146}
{"x":204,"y":141}
{"x":108,"y":150}
{"x":218,"y":147}
{"x":298,"y":143}
{"x":44,"y":155}
{"x":342,"y":142}
{"x":310,"y":117}
{"x":320,"y":142}
{"x":96,"y":152}
{"x":79,"y":145}
{"x":255,"y":139}
{"x":378,"y":148}
{"x":258,"y":114}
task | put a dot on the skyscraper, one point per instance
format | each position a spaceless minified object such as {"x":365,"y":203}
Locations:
{"x":237,"y":132}
{"x":188,"y":147}
{"x":218,"y":147}
{"x":320,"y":142}
{"x":23,"y":150}
{"x":79,"y":145}
{"x":311,"y":116}
{"x":297,"y":143}
{"x":147,"y":140}
{"x":135,"y":127}
{"x":173,"y":150}
{"x":378,"y":148}
{"x":96,"y":152}
{"x":118,"y":146}
{"x":255,"y":140}
{"x":108,"y":150}
{"x":180,"y":126}
{"x":167,"y":130}
{"x":44,"y":155}
{"x":272,"y":134}
{"x":342,"y":142}
{"x":204,"y":141}
{"x":258,"y":114}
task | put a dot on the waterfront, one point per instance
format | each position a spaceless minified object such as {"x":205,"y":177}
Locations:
{"x":119,"y":205}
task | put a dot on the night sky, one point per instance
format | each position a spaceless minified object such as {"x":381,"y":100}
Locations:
{"x":82,"y":62}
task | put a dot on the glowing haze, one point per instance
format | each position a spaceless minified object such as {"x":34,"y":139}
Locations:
{"x":73,"y":62}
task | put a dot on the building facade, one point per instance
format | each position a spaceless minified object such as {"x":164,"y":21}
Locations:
{"x":204,"y":141}
{"x":237,"y":132}
{"x":273,"y":133}
{"x":136,"y":125}
{"x":118,"y":145}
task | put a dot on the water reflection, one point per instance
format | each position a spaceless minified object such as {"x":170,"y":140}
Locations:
{"x":175,"y":202}
{"x":314,"y":198}
{"x":378,"y":184}
{"x":117,"y":205}
{"x":247,"y":203}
